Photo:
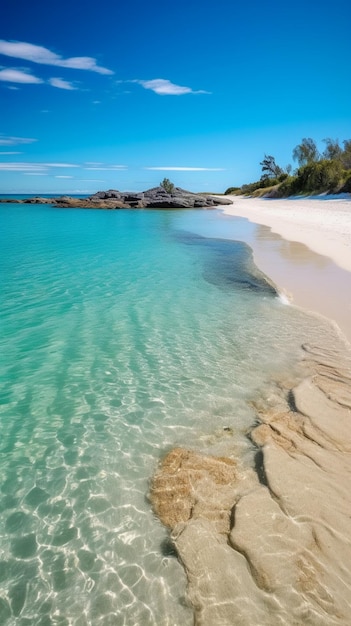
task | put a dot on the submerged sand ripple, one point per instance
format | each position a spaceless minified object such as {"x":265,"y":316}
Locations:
{"x":272,"y":546}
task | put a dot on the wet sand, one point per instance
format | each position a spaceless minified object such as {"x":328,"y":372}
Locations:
{"x":270,"y":545}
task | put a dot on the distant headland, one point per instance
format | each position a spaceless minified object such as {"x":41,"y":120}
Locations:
{"x":156,"y":198}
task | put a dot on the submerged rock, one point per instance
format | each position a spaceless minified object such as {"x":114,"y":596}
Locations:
{"x":190,"y":485}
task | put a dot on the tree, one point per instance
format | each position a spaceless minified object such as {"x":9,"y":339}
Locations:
{"x":269,"y":167}
{"x":346,"y":154}
{"x":306,"y":152}
{"x":332,"y":150}
{"x":167,"y":185}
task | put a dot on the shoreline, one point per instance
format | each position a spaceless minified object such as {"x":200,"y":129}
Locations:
{"x":304,"y":246}
{"x":323,"y":225}
{"x":270,"y":544}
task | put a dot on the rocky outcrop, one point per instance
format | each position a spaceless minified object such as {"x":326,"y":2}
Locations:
{"x":156,"y":198}
{"x":271,"y":545}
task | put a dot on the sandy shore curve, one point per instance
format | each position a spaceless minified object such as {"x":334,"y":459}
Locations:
{"x":322,"y":224}
{"x":304,"y":246}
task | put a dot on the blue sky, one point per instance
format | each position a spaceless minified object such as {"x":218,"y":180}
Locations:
{"x":121,"y":95}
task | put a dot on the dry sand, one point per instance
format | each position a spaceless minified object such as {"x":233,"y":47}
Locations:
{"x":271,"y":545}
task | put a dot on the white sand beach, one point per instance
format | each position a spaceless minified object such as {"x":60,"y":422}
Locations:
{"x":323,"y":224}
{"x":304,"y":246}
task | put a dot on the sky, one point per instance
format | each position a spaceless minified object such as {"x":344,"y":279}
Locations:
{"x":119,"y":95}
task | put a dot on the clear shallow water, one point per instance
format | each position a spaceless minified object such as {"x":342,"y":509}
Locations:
{"x":123,"y":334}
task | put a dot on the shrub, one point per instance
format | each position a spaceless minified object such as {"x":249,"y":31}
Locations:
{"x":289,"y":187}
{"x":232,"y":190}
{"x":346,"y":188}
{"x":321,"y":176}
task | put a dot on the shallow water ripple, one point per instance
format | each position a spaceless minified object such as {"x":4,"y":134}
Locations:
{"x":115,"y":349}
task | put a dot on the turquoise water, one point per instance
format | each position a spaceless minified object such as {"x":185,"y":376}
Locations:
{"x":123,"y":334}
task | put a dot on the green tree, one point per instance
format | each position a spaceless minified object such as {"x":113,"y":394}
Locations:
{"x":167,"y":185}
{"x":332,"y":150}
{"x":269,"y":167}
{"x":346,"y":154}
{"x":306,"y":152}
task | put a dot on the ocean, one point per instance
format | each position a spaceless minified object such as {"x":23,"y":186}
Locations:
{"x":123,"y":334}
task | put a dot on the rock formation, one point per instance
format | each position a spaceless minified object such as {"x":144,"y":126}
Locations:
{"x":156,"y":198}
{"x":271,"y":546}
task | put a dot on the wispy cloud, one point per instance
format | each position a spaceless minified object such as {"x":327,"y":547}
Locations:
{"x":166,"y":168}
{"x":61,"y":84}
{"x":18,"y":76}
{"x":12,"y":141}
{"x":63,"y":176}
{"x":60,"y":164}
{"x":12,"y":152}
{"x":17,"y":166}
{"x":164,"y":87}
{"x":44,"y":56}
{"x":22,"y":167}
{"x":111,"y":168}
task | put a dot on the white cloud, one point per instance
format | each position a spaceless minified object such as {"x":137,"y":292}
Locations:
{"x":61,"y":84}
{"x":44,"y":56}
{"x":186,"y":169}
{"x":60,"y":164}
{"x":12,"y":141}
{"x":2,"y":153}
{"x":164,"y":87}
{"x":22,"y":167}
{"x":34,"y":174}
{"x":112,"y":168}
{"x":63,"y":176}
{"x":18,"y":76}
{"x":17,"y":166}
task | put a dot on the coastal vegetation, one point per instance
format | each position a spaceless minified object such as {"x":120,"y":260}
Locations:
{"x":328,"y":171}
